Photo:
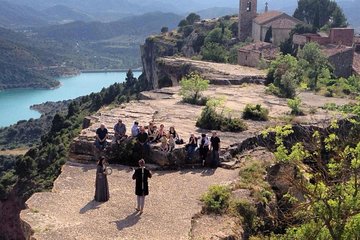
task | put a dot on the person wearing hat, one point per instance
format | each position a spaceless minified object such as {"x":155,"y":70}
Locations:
{"x":141,"y":176}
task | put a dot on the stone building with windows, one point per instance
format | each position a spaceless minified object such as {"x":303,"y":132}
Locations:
{"x":256,"y":26}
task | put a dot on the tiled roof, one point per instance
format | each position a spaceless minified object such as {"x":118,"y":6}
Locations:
{"x":277,"y":20}
{"x":282,"y":23}
{"x":267,"y":16}
{"x":331,"y":49}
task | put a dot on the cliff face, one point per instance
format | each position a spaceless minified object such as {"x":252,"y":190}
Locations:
{"x":11,"y":226}
{"x":186,"y":43}
{"x":150,"y":51}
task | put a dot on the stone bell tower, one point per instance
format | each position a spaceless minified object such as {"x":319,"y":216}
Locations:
{"x":247,"y":12}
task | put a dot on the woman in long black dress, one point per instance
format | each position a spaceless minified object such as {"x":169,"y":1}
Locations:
{"x":101,"y":182}
{"x":141,"y":176}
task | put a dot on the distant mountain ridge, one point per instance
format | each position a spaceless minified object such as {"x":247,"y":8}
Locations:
{"x":18,"y":65}
{"x":140,"y":26}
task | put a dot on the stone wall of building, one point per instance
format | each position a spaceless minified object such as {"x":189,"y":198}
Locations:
{"x":256,"y":32}
{"x":342,"y":36}
{"x":280,"y":35}
{"x":249,"y":58}
{"x":342,"y":62}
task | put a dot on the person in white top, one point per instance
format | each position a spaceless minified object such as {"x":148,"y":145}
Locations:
{"x":135,"y":129}
{"x":204,"y":148}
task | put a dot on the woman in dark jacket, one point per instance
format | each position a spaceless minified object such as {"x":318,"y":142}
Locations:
{"x":141,"y":176}
{"x":101,"y":183}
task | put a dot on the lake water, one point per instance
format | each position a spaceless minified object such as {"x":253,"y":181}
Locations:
{"x":15,"y":103}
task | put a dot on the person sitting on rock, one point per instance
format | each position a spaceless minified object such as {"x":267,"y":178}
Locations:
{"x":152,"y":131}
{"x":191,"y":147}
{"x":120,"y":131}
{"x":161,"y":132}
{"x":101,"y":136}
{"x":135,"y":129}
{"x":143,"y":142}
{"x":164,"y":144}
{"x":175,"y":135}
{"x":171,"y":142}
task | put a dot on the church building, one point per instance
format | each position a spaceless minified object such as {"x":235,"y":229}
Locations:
{"x":269,"y":26}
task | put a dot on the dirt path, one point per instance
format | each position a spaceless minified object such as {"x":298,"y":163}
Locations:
{"x":68,"y":212}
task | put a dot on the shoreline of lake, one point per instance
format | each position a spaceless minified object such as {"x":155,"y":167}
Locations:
{"x":15,"y":103}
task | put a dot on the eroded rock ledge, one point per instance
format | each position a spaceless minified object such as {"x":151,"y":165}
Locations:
{"x":164,"y":106}
{"x":168,"y":71}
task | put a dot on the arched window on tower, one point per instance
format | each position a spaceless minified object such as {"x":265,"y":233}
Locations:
{"x":248,"y":7}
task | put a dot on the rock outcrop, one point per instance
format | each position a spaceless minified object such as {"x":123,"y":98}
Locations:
{"x":168,"y":71}
{"x":164,"y":106}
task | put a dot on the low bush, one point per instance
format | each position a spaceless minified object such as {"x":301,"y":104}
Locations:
{"x":216,"y":200}
{"x":213,"y":117}
{"x":192,"y":87}
{"x":211,"y":120}
{"x":248,"y":214}
{"x":294,"y":104}
{"x":255,"y":112}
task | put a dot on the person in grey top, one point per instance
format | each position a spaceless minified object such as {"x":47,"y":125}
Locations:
{"x":120,"y":131}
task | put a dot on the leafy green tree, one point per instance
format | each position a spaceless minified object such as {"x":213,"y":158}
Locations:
{"x":320,"y":12}
{"x":313,"y":62}
{"x":164,"y":29}
{"x":73,"y":109}
{"x":218,"y":35}
{"x":57,"y":123}
{"x":183,"y":23}
{"x":330,"y":184}
{"x":25,"y":167}
{"x":285,"y":75}
{"x":192,"y":18}
{"x":130,"y":80}
{"x":214,"y":52}
{"x":192,"y":87}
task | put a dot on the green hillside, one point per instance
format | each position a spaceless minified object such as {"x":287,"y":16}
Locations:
{"x":140,"y":26}
{"x":18,"y":66}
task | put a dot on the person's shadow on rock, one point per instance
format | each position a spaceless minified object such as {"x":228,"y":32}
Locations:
{"x":129,"y":221}
{"x":92,"y":205}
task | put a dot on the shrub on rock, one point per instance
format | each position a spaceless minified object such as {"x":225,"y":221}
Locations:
{"x":255,"y":112}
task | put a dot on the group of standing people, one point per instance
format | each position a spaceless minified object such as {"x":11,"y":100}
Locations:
{"x":140,"y":175}
{"x":204,"y":144}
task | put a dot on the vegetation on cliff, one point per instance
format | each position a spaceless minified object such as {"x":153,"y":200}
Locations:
{"x":37,"y":170}
{"x":192,"y":87}
{"x":327,"y":170}
{"x":309,"y":70}
{"x":215,"y":116}
{"x":211,"y":40}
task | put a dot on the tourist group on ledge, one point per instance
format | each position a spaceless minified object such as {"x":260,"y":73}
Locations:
{"x":145,"y":136}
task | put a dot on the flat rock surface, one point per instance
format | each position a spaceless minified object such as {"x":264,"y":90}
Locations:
{"x":68,"y":212}
{"x":164,"y":106}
